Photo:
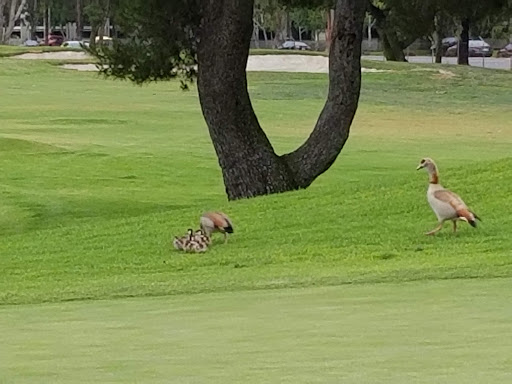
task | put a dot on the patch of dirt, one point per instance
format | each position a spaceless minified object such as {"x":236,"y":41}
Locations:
{"x":271,"y":63}
{"x":80,"y":67}
{"x":63,"y":55}
{"x":443,"y":74}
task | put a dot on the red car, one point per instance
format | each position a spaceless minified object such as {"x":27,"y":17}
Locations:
{"x":55,"y":40}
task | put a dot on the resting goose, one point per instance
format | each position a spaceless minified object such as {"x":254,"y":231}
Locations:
{"x":191,"y":243}
{"x":445,"y":204}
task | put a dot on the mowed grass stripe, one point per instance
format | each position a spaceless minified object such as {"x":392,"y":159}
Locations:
{"x":442,"y":332}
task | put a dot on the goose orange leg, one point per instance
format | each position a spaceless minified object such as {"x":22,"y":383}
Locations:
{"x":454,"y":226}
{"x":435,"y":230}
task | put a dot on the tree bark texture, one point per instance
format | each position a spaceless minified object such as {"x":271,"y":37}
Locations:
{"x":463,"y":49}
{"x":249,"y":164}
{"x":250,"y":167}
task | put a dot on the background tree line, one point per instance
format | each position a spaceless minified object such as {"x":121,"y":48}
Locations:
{"x":56,"y":13}
{"x":398,"y":22}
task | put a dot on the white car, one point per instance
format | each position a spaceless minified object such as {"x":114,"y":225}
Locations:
{"x":75,"y":44}
{"x":477,"y":48}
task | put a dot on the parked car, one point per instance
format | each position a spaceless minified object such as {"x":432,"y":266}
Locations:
{"x":506,"y":51}
{"x":55,"y":40}
{"x":446,"y":43}
{"x":477,"y":48}
{"x":75,"y":44}
{"x":292,"y":44}
{"x":31,"y":43}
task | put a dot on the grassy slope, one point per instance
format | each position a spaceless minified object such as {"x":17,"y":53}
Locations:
{"x":98,"y":175}
{"x":438,"y":332}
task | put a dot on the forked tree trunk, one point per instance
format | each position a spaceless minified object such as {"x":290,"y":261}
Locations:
{"x":463,"y":48}
{"x":249,"y":164}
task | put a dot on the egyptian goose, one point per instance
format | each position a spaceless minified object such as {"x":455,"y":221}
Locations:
{"x":211,"y":222}
{"x":445,"y":204}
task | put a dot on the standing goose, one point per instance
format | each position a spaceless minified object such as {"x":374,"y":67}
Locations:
{"x":216,"y":222}
{"x":445,"y":204}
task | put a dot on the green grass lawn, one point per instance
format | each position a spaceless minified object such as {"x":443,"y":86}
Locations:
{"x":13,"y":50}
{"x":435,"y":332}
{"x":98,"y":175}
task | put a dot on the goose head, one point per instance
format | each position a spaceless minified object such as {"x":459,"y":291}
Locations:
{"x":428,"y":164}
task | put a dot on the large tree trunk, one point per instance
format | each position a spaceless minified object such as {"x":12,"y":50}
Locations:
{"x":463,"y":57}
{"x":249,"y":164}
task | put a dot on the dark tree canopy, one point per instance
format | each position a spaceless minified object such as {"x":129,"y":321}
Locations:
{"x":161,"y":40}
{"x":165,"y":40}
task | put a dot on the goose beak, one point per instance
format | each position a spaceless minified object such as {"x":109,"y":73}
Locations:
{"x":419,"y":167}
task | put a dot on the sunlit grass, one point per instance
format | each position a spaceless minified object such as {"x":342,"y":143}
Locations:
{"x":98,"y":175}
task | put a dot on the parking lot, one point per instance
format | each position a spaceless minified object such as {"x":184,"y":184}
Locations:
{"x":486,"y":62}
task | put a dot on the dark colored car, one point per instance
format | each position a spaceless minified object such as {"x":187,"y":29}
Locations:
{"x":449,"y":42}
{"x":506,"y":51}
{"x":477,"y":48}
{"x":446,"y":43}
{"x":292,"y":44}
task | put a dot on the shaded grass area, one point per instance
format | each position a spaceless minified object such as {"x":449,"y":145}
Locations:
{"x":13,"y":50}
{"x":429,"y":332}
{"x":99,"y":175}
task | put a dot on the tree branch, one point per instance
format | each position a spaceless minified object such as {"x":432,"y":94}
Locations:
{"x":331,"y":132}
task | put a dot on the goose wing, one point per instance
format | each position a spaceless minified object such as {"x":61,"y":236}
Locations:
{"x":456,"y":202}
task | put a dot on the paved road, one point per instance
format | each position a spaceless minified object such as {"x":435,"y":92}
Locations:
{"x":487,"y":62}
